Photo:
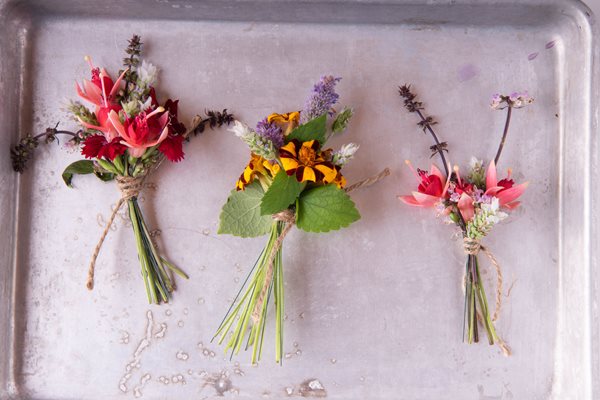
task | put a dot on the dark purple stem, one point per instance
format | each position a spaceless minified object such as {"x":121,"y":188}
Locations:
{"x":437,"y":142}
{"x":506,"y":124}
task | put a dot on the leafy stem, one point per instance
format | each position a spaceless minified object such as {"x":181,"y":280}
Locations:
{"x":21,"y":153}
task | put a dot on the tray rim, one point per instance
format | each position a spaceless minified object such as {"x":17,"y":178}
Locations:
{"x":581,"y":14}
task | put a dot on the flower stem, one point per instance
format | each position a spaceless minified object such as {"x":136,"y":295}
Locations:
{"x":243,"y":318}
{"x":436,"y":140}
{"x":155,"y":268}
{"x":504,"y":134}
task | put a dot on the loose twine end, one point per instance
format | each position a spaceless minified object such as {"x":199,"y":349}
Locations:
{"x":129,"y":187}
{"x":473,"y":247}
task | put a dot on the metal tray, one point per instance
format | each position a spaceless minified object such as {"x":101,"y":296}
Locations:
{"x":373,"y":311}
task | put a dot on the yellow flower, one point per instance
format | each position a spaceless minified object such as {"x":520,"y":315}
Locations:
{"x":272,"y":167}
{"x":287,"y":122}
{"x":256,"y":167}
{"x":307,"y":162}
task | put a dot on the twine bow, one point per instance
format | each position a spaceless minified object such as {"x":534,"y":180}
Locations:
{"x":473,"y":247}
{"x":289,"y":219}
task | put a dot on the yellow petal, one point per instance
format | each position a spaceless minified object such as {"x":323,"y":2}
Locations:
{"x":308,"y":175}
{"x":330,"y":173}
{"x":289,"y":163}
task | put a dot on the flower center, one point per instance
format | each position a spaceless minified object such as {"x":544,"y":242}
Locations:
{"x":307,"y":156}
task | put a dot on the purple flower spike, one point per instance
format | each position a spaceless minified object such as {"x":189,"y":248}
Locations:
{"x":322,"y":98}
{"x":270,"y":131}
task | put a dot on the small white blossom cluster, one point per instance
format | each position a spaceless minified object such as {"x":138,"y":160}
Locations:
{"x":486,"y":216}
{"x":258,"y":144}
{"x":345,"y":154}
{"x":514,"y":100}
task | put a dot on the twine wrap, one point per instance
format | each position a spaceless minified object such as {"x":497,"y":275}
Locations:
{"x":472,"y":247}
{"x":129,"y":187}
{"x":289,"y":219}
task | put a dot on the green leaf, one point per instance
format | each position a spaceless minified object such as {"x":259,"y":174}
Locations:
{"x":241,"y":215}
{"x":315,"y":129}
{"x":283,"y":191}
{"x":81,"y":167}
{"x":325,"y":208}
{"x":342,"y":120}
{"x":104,"y":176}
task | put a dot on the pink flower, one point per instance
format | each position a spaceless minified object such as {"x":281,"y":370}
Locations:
{"x":142,"y":131}
{"x":101,"y":91}
{"x":431,"y":188}
{"x":505,"y":189}
{"x":465,"y":201}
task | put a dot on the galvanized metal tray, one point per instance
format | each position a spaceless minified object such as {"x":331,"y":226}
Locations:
{"x":373,"y":311}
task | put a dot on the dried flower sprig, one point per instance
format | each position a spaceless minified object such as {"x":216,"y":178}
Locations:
{"x":426,"y":123}
{"x":475,"y":203}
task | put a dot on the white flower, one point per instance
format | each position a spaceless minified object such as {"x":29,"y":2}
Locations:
{"x":345,"y":154}
{"x":475,"y":163}
{"x":147,"y":73}
{"x":240,"y":129}
{"x":147,"y":104}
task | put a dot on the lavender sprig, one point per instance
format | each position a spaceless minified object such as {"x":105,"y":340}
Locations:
{"x":270,"y":131}
{"x":322,"y":98}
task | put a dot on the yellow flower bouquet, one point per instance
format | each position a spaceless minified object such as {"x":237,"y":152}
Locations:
{"x":291,"y":179}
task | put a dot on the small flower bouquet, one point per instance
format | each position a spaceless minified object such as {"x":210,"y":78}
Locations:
{"x":474,"y":202}
{"x":126,"y":135}
{"x":291,"y":179}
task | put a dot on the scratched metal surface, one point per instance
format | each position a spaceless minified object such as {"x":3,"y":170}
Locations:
{"x":373,"y":311}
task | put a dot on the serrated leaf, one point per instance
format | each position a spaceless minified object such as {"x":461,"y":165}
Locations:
{"x":241,"y":215}
{"x":315,"y":129}
{"x":81,"y":167}
{"x":283,"y":191}
{"x":324,"y":209}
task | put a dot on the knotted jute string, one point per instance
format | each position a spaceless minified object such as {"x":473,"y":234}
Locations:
{"x":129,"y":187}
{"x":473,"y":247}
{"x":289,"y":219}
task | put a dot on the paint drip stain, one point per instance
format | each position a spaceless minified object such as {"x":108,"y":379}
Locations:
{"x":532,"y":56}
{"x":135,"y":361}
{"x":467,"y":72}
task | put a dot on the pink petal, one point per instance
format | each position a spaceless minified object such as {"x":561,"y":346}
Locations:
{"x":435,"y":171}
{"x":117,"y":83}
{"x":465,"y":205}
{"x":90,"y":126}
{"x":424,"y":199}
{"x":493,"y":190}
{"x":136,"y":152}
{"x":162,"y":137}
{"x":510,"y":195}
{"x":93,"y":92}
{"x":513,"y":205}
{"x":113,"y":117}
{"x":410,"y":200}
{"x":491,"y":178}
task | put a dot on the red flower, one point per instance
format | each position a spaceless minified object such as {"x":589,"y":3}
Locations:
{"x":175,"y":127}
{"x":431,"y":189}
{"x":431,"y":185}
{"x":96,"y":146}
{"x":172,"y":148}
{"x":142,"y":131}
